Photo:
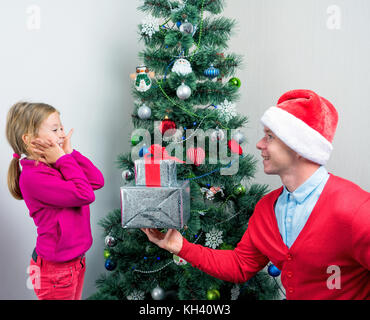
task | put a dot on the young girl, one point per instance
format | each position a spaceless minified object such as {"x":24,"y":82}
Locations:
{"x":57,"y":184}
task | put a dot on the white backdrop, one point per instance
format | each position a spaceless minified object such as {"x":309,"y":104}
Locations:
{"x":78,"y":58}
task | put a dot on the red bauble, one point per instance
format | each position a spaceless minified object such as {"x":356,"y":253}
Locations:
{"x":167,"y":125}
{"x":235,"y":147}
{"x":196,"y":155}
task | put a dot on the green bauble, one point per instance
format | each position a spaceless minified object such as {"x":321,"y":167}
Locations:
{"x":239,"y":190}
{"x":135,"y":140}
{"x":235,"y":82}
{"x":106,"y":254}
{"x":213,"y":294}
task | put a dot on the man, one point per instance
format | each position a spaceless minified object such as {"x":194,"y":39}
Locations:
{"x":315,"y":229}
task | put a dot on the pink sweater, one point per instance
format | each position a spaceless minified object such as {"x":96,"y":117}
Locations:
{"x":337,"y":234}
{"x":58,"y":199}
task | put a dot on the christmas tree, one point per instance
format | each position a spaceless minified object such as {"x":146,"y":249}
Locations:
{"x":185,"y":94}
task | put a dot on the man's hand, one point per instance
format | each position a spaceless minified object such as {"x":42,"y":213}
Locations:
{"x":170,"y":241}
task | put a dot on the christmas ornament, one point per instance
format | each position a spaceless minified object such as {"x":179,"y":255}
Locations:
{"x":273,"y":271}
{"x":211,"y":72}
{"x":149,"y":26}
{"x":182,"y":67}
{"x":217,"y":135}
{"x":239,"y":190}
{"x":136,"y":295}
{"x":196,"y":155}
{"x":106,"y":254}
{"x":183,"y":92}
{"x":234,"y":147}
{"x":157,"y":293}
{"x":110,"y":265}
{"x":226,"y":110}
{"x":235,"y":291}
{"x":110,"y":241}
{"x":144,"y":112}
{"x":127,"y":175}
{"x":235,"y":82}
{"x":213,"y":238}
{"x":135,"y":140}
{"x":187,"y":28}
{"x":239,"y":137}
{"x":167,"y":125}
{"x":213,"y":294}
{"x":144,"y":150}
{"x":179,"y":261}
{"x":210,"y":193}
{"x":142,"y":78}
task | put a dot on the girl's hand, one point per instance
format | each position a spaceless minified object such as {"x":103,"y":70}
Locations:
{"x":67,"y":147}
{"x":48,"y":151}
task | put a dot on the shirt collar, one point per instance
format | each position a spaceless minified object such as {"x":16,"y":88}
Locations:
{"x":304,"y":190}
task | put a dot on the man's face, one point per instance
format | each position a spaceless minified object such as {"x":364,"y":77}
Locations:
{"x":278,"y":158}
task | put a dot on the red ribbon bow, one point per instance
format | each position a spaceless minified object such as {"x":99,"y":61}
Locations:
{"x":152,"y":164}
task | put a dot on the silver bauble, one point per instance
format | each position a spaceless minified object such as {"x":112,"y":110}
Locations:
{"x":144,"y":112}
{"x":157,"y":293}
{"x":183,"y":92}
{"x":239,"y":137}
{"x":187,"y":27}
{"x":110,"y":241}
{"x":217,"y":135}
{"x":127,"y":175}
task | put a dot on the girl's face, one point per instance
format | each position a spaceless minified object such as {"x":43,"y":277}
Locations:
{"x":52,"y":129}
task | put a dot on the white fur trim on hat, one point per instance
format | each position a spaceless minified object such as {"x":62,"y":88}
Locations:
{"x":297,"y":135}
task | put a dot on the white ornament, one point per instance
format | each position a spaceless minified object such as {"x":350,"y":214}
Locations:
{"x":227,"y":110}
{"x":182,"y":67}
{"x":149,"y":26}
{"x":235,"y":291}
{"x":183,"y":92}
{"x":179,"y":261}
{"x":214,"y":238}
{"x":136,"y":295}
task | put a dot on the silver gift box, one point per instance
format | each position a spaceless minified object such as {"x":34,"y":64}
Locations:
{"x":168,"y":173}
{"x":155,"y":207}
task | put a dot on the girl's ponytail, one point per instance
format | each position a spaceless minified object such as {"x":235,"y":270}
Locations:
{"x":14,"y":172}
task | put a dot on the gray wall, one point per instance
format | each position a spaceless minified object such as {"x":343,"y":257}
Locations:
{"x":80,"y":59}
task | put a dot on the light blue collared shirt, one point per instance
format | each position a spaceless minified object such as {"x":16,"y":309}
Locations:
{"x":293,"y":209}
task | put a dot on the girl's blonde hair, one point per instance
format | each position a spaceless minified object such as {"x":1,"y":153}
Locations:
{"x":23,"y":118}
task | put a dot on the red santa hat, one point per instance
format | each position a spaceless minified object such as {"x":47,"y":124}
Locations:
{"x":305,"y":122}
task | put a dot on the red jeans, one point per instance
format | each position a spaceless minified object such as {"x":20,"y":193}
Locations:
{"x":57,"y":280}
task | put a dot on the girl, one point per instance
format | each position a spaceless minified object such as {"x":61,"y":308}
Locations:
{"x":57,"y":184}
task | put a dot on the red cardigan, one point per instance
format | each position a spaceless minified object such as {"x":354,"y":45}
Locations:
{"x":337,"y":233}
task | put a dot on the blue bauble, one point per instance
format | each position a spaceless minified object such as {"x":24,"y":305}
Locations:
{"x":273,"y":271}
{"x":143,"y":150}
{"x":110,"y":265}
{"x":178,"y":23}
{"x":211,"y":72}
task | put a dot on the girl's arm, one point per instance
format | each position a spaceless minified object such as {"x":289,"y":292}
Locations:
{"x":92,"y":173}
{"x":67,"y":187}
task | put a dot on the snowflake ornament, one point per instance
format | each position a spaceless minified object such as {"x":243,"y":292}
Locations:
{"x":227,"y":110}
{"x":136,"y":295}
{"x":149,"y":26}
{"x":214,"y":238}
